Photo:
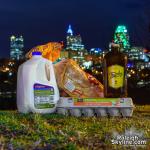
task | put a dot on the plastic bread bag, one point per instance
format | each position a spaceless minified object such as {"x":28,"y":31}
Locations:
{"x":50,"y":51}
{"x":75,"y":82}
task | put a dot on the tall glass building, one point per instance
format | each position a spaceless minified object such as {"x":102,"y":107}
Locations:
{"x":74,"y":42}
{"x":121,"y":37}
{"x":74,"y":47}
{"x":16,"y":47}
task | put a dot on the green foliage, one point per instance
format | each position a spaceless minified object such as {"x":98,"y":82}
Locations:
{"x":52,"y":131}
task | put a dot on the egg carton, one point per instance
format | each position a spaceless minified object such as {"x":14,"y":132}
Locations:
{"x":95,"y":107}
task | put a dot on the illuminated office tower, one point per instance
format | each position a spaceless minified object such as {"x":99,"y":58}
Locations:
{"x":137,"y":53}
{"x":16,"y":47}
{"x":121,"y":37}
{"x":74,"y":42}
{"x":74,"y":46}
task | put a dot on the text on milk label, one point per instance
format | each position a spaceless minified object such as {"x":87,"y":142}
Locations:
{"x":43,"y":96}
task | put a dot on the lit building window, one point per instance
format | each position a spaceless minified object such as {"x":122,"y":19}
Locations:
{"x":16,"y":47}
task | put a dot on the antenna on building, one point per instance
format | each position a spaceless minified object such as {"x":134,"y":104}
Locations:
{"x":69,"y":31}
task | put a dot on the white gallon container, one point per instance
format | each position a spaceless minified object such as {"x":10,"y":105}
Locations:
{"x":37,"y":89}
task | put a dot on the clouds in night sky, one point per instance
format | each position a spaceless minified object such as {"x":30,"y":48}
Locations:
{"x":40,"y":21}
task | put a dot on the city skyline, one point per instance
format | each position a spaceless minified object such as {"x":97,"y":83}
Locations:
{"x":41,"y":22}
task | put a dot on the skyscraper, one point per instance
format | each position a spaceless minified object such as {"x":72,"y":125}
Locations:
{"x":74,"y":42}
{"x":121,"y":37}
{"x":74,"y":46}
{"x":16,"y":47}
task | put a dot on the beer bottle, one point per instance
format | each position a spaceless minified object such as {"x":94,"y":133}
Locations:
{"x":114,"y":78}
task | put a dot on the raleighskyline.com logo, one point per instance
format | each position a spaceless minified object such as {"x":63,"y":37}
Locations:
{"x":129,"y":140}
{"x":131,"y":137}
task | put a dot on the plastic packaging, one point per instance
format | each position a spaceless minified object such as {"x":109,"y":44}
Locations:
{"x":75,"y":82}
{"x":100,"y":107}
{"x":37,"y":89}
{"x":50,"y":51}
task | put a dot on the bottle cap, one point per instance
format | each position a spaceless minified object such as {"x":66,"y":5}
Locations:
{"x":36,"y":53}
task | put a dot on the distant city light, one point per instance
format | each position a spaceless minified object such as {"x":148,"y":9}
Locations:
{"x":87,"y":64}
{"x":95,"y":50}
{"x":6,"y":69}
{"x":12,"y":37}
{"x":10,"y":73}
{"x":129,"y":65}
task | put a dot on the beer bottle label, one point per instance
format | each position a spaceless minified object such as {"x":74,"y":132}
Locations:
{"x":115,"y":76}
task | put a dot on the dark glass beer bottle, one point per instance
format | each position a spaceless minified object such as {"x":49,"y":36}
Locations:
{"x":115,"y":82}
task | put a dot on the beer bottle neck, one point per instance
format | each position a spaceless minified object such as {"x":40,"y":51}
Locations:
{"x":115,"y":49}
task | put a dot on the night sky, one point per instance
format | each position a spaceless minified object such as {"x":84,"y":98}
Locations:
{"x":41,"y":21}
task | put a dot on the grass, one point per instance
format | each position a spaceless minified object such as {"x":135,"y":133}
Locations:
{"x":52,"y":131}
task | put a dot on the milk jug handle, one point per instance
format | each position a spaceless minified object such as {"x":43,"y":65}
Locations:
{"x":53,"y":73}
{"x":49,"y":72}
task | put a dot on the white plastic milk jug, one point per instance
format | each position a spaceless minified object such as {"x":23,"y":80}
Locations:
{"x":37,"y":89}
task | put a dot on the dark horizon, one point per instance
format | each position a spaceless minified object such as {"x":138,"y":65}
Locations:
{"x":40,"y":22}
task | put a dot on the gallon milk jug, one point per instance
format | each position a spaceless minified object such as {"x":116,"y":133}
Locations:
{"x":37,"y":89}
